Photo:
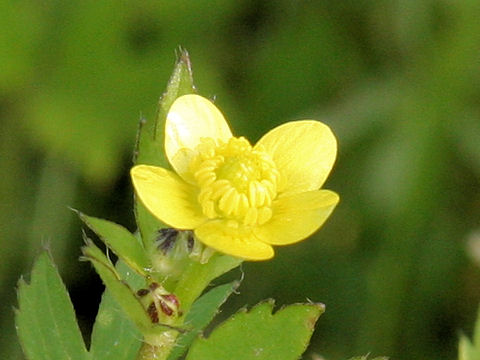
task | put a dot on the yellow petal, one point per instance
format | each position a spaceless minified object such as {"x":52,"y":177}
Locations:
{"x":167,"y":196}
{"x":297,"y":216}
{"x":236,"y":241}
{"x":190,"y":118}
{"x":304,"y":152}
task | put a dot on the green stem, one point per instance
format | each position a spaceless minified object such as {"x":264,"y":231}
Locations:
{"x":193,"y":282}
{"x":158,"y":347}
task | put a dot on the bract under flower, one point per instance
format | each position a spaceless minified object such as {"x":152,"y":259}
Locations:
{"x":239,"y":199}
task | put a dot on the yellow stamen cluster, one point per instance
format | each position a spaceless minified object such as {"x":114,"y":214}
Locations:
{"x":236,"y":181}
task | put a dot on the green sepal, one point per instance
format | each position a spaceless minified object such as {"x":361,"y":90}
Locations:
{"x":114,"y":336}
{"x":45,"y":320}
{"x":259,"y":334}
{"x":201,"y":314}
{"x":149,"y":147}
{"x":123,"y":243}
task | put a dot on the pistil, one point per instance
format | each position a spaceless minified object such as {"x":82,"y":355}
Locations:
{"x":236,"y":181}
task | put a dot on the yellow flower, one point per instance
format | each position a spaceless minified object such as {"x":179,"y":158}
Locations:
{"x":239,"y":199}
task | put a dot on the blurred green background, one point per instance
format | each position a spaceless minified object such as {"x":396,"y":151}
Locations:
{"x":398,"y":81}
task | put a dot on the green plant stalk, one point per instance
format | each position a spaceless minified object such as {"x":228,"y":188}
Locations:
{"x":158,"y":346}
{"x":195,"y":279}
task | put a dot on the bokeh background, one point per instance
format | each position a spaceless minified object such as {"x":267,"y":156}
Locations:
{"x":397,"y":80}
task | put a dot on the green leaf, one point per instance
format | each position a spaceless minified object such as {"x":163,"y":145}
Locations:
{"x":466,"y":350}
{"x":201,"y":313}
{"x":197,"y":276}
{"x":121,"y":241}
{"x":470,"y":350}
{"x":45,"y":319}
{"x":114,"y":336}
{"x":120,"y":290}
{"x":149,"y":148}
{"x":365,"y":357}
{"x":258,"y":334}
{"x":476,"y":332}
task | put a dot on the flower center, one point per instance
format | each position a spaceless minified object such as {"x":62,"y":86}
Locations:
{"x":236,"y":181}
